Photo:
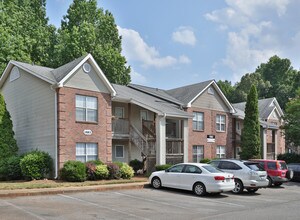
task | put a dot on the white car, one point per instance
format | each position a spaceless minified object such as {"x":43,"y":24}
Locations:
{"x":247,"y":174}
{"x":197,"y":177}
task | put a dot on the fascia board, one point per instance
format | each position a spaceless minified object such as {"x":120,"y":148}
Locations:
{"x":98,"y":71}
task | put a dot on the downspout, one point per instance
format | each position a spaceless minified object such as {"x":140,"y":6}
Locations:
{"x":55,"y":133}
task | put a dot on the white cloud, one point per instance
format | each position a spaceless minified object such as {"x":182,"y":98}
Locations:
{"x":184,"y":59}
{"x":256,"y":30}
{"x":137,"y":77}
{"x":136,"y":49}
{"x":184,"y":35}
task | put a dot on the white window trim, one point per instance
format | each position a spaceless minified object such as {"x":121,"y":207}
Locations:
{"x":218,"y":151}
{"x":86,"y":109}
{"x":198,"y":146}
{"x":14,"y":74}
{"x":219,"y":125}
{"x":119,"y":145}
{"x":146,"y":114}
{"x":86,"y":155}
{"x":197,"y":129}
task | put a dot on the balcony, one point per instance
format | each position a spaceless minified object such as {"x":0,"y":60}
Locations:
{"x":174,"y":146}
{"x":120,"y":127}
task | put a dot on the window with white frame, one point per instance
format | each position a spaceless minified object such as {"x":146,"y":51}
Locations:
{"x":144,"y":115}
{"x":221,"y":153}
{"x":220,"y":122}
{"x":198,"y":153}
{"x":119,"y":112}
{"x":119,"y":151}
{"x":86,"y":108}
{"x":86,"y":151}
{"x":198,"y":121}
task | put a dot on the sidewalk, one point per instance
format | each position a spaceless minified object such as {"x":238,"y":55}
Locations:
{"x":64,"y":190}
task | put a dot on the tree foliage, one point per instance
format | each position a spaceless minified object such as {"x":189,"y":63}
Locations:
{"x":250,"y":137}
{"x":88,"y":29}
{"x":8,"y":144}
{"x":292,"y":120}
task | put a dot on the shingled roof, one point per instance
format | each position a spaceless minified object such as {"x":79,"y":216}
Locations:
{"x":153,"y":103}
{"x":265,"y":107}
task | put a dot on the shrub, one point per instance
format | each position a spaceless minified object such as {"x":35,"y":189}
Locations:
{"x":96,"y":162}
{"x":3,"y":170}
{"x":205,"y":160}
{"x":101,"y":172}
{"x":13,"y":168}
{"x":136,"y":165}
{"x":114,"y":171}
{"x":289,"y":157}
{"x":36,"y":165}
{"x":126,"y":171}
{"x":162,"y":167}
{"x":119,"y":164}
{"x":90,"y":170}
{"x":73,"y":171}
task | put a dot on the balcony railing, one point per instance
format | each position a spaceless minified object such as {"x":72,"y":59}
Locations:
{"x":174,"y":146}
{"x":120,"y":126}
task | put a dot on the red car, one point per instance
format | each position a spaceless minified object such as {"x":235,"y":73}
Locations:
{"x":277,"y":170}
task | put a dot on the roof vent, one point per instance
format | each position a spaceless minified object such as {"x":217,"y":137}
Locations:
{"x":14,"y":74}
{"x":86,"y":67}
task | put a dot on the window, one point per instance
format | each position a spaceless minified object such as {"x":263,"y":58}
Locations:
{"x":227,"y":165}
{"x":119,"y":112}
{"x":198,"y":122}
{"x":198,"y":153}
{"x":220,"y":152}
{"x":119,"y":151}
{"x":176,"y":169}
{"x":86,"y":108}
{"x":86,"y":151}
{"x":144,"y":115}
{"x":220,"y":122}
{"x":192,"y":169}
{"x":271,"y":165}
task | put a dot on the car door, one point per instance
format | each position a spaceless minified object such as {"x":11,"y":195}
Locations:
{"x":172,"y":176}
{"x":230,"y":167}
{"x":189,"y":176}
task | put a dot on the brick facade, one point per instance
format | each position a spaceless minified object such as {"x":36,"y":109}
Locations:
{"x":70,"y":132}
{"x":200,"y":137}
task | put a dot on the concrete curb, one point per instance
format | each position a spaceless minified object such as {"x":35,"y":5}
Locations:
{"x":65,"y":190}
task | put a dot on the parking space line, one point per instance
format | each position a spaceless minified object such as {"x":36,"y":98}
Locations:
{"x":101,"y":206}
{"x":24,"y":210}
{"x":159,"y":202}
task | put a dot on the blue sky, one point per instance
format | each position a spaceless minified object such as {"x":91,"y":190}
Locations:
{"x":173,"y":43}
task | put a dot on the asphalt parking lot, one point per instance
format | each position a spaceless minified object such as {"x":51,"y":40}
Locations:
{"x":271,"y":203}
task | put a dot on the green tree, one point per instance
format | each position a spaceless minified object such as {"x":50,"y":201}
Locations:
{"x":243,"y":87}
{"x":250,"y":137}
{"x":88,"y":29}
{"x":282,"y":78}
{"x":227,"y":89}
{"x":24,"y":32}
{"x":8,"y":144}
{"x":292,"y":120}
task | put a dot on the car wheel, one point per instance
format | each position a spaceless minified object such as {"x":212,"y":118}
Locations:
{"x":252,"y":190}
{"x":199,"y":189}
{"x":156,"y":183}
{"x":277,"y":184}
{"x":238,"y":187}
{"x":270,"y":181}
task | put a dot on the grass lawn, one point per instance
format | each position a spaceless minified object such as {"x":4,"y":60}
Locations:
{"x":36,"y":184}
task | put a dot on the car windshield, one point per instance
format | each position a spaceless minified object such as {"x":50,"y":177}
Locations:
{"x":282,"y":166}
{"x":212,"y":169}
{"x":254,"y":166}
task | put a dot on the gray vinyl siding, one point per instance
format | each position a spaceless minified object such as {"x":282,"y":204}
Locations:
{"x":135,"y":116}
{"x":30,"y":102}
{"x":274,"y":115}
{"x":135,"y":151}
{"x":209,"y":101}
{"x":87,"y":81}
